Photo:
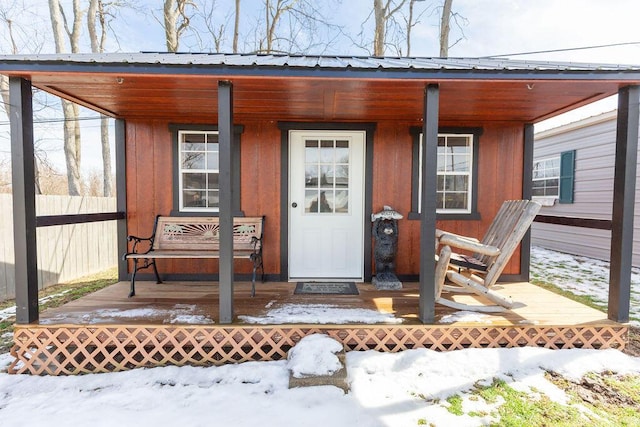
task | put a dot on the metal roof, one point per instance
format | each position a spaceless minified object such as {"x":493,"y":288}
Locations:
{"x":315,"y":62}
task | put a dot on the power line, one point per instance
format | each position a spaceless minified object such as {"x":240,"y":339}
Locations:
{"x":561,"y":50}
{"x":56,"y":120}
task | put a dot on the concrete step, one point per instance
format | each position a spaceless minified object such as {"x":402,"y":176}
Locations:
{"x":338,"y":379}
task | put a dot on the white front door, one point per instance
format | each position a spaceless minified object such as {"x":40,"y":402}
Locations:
{"x":326,"y":204}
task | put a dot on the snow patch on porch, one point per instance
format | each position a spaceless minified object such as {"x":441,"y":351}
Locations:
{"x":320,"y":314}
{"x":178,"y":314}
{"x":465,"y":316}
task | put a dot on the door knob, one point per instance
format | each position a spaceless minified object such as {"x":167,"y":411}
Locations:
{"x":294,"y":205}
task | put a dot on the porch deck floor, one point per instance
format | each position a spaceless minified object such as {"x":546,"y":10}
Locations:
{"x":107,"y":331}
{"x":534,"y":305}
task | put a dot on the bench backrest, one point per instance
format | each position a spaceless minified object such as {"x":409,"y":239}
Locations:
{"x":202,"y":233}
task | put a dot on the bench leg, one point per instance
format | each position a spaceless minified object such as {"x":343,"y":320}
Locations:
{"x":136,"y":267}
{"x":155,"y":270}
{"x":132,"y":290}
{"x":257,"y":263}
{"x":253,"y":282}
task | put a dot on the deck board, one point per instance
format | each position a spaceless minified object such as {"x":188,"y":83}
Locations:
{"x":534,"y":305}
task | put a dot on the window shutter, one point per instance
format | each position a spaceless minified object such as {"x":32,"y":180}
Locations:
{"x":567,"y":171}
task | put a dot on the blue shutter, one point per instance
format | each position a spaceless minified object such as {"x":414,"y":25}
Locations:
{"x":567,"y":172}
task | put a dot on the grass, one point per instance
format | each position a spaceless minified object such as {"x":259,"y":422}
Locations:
{"x":598,"y":400}
{"x":57,"y":295}
{"x":455,"y":404}
{"x":521,"y":409}
{"x":606,"y":396}
{"x":61,"y":294}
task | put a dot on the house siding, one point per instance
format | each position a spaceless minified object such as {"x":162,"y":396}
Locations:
{"x":150,"y":188}
{"x":594,"y":140}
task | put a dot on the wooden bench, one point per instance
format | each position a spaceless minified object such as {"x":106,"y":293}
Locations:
{"x":195,"y":237}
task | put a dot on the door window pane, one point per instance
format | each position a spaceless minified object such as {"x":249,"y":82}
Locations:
{"x":311,"y":176}
{"x":317,"y":202}
{"x":326,"y":176}
{"x":341,"y":201}
{"x":326,"y":151}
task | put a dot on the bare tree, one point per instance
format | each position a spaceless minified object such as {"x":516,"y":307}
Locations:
{"x":236,"y":27}
{"x":18,"y":38}
{"x":72,"y":140}
{"x":97,"y":14}
{"x":445,"y":28}
{"x":5,"y":175}
{"x":411,"y":21}
{"x":273,"y":10}
{"x":384,"y":15}
{"x":306,"y":29}
{"x":25,"y":37}
{"x":215,"y":31}
{"x":176,"y":21}
{"x":4,"y":80}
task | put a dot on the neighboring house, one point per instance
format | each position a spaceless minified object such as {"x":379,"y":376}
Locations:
{"x":573,"y":173}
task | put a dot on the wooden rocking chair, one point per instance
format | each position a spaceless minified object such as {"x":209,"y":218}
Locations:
{"x":478,"y":272}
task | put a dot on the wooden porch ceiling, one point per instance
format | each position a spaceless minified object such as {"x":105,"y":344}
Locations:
{"x":193,"y":98}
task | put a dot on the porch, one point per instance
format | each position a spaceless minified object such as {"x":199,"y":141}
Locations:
{"x":177,"y":323}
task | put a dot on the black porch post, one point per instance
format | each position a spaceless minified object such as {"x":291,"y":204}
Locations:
{"x":428,"y":204}
{"x":225,"y":139}
{"x":527,"y":192}
{"x":624,"y":188}
{"x":121,"y":195}
{"x":24,"y":200}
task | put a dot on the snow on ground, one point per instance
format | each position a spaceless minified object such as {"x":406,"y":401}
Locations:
{"x":9,"y":312}
{"x":387,"y":389}
{"x":582,"y":276}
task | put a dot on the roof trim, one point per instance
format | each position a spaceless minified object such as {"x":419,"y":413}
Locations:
{"x":578,"y":124}
{"x":315,"y":66}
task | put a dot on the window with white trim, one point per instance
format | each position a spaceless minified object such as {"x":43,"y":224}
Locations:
{"x":546,"y":177}
{"x":456,"y":171}
{"x":455,"y":166}
{"x":198,"y":170}
{"x":554,"y":178}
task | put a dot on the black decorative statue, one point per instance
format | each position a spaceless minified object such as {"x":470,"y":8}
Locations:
{"x":385,"y":233}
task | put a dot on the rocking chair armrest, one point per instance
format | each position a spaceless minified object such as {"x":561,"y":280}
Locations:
{"x":472,"y":245}
{"x":440,"y":233}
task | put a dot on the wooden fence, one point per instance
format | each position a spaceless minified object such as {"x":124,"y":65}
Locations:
{"x":65,"y":252}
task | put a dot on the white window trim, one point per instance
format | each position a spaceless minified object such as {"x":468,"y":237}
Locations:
{"x":183,"y":208}
{"x":471,"y":138}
